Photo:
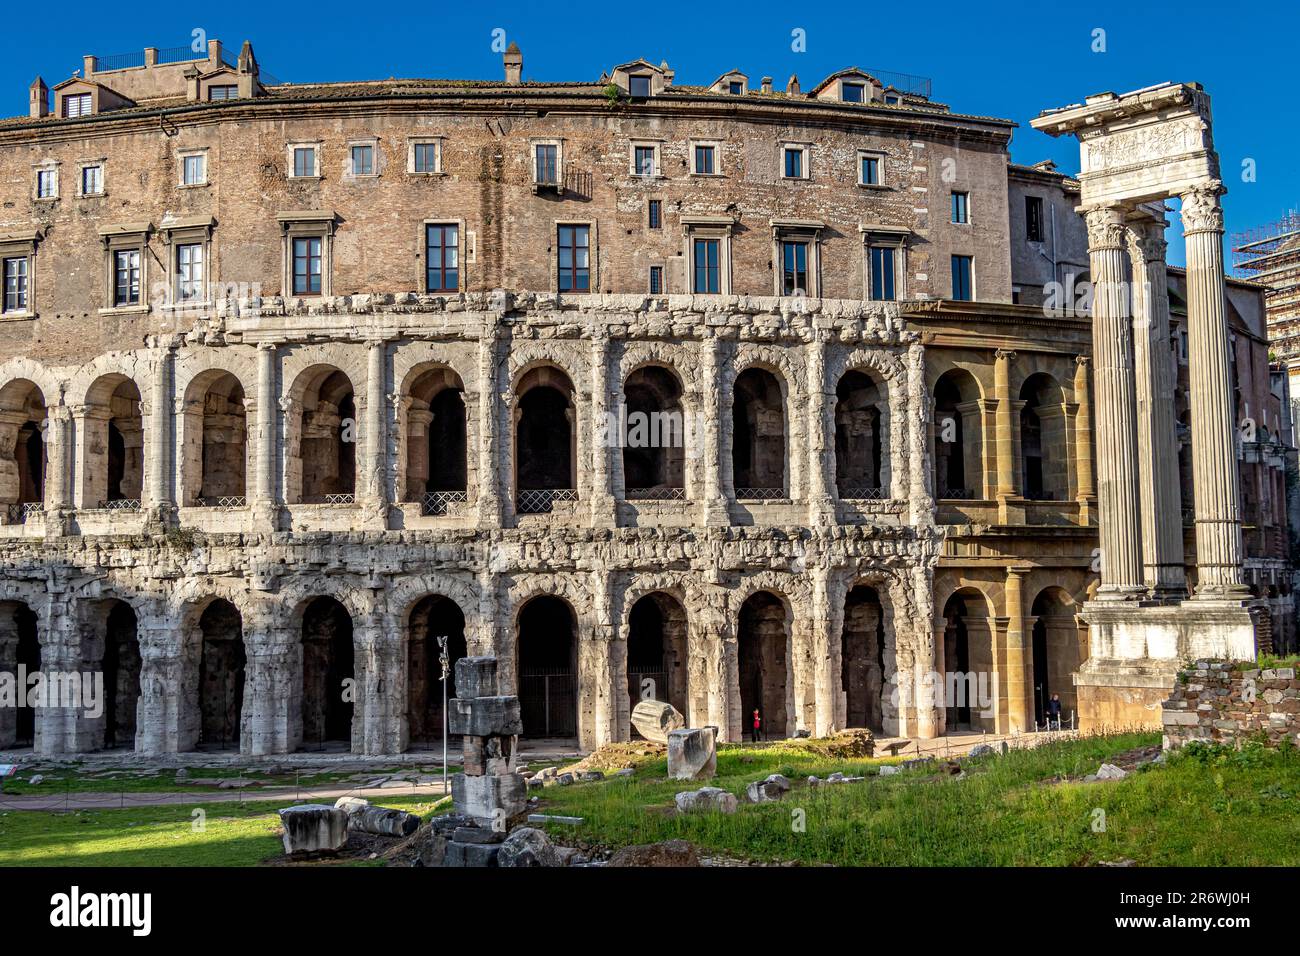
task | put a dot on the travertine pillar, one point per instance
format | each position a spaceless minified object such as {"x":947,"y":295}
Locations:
{"x":1017,"y":683}
{"x":1006,"y":484}
{"x":271,"y":718}
{"x":1162,"y":524}
{"x":489,"y":479}
{"x":821,"y":437}
{"x":1214,"y":458}
{"x":1116,"y":421}
{"x":714,"y":504}
{"x":826,"y":686}
{"x":158,"y":494}
{"x":607,"y":441}
{"x":374,"y":470}
{"x":264,"y":492}
{"x":1086,"y":494}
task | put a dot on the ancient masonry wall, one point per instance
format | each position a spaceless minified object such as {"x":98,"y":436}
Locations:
{"x":268,"y":554}
{"x":1233,"y":703}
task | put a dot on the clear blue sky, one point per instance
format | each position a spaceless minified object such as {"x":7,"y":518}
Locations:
{"x":1007,"y":60}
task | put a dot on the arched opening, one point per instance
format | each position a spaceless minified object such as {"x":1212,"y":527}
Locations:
{"x":656,"y":651}
{"x":23,"y":458}
{"x":861,"y":437}
{"x":758,"y":435}
{"x":548,"y":668}
{"x":113,"y":444}
{"x":654,"y":446}
{"x":545,"y":450}
{"x":958,"y":472}
{"x":862,"y":658}
{"x":321,"y":468}
{"x":1043,"y":455}
{"x":1056,"y":654}
{"x":328,"y":673}
{"x":763,"y":637}
{"x":436,"y":443}
{"x":20,"y":648}
{"x":221,"y":675}
{"x":968,"y":663}
{"x":215,"y":456}
{"x":110,"y":645}
{"x":434,"y":616}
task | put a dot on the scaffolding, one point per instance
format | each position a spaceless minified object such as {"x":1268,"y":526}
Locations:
{"x":1270,"y":255}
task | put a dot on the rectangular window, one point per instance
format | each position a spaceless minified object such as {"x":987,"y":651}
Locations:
{"x":426,"y":158}
{"x":306,"y":265}
{"x":736,"y":87}
{"x":708,"y":276}
{"x":189,"y":272}
{"x":547,"y":155}
{"x":194,"y":170}
{"x":961,"y":207}
{"x":656,"y":280}
{"x":126,"y":277}
{"x":442,"y":257}
{"x":643,"y":160}
{"x":77,"y":104}
{"x":656,"y":214}
{"x":92,"y":180}
{"x":704,"y":160}
{"x":45,"y":184}
{"x":1033,"y":219}
{"x":304,"y":161}
{"x":882,"y":273}
{"x":16,"y":284}
{"x":216,"y":93}
{"x":638,"y":85}
{"x":794,"y":268}
{"x":794,"y":162}
{"x":853,"y":92}
{"x":869,"y":173}
{"x":962,"y":288}
{"x":575,"y":258}
{"x":363,"y":160}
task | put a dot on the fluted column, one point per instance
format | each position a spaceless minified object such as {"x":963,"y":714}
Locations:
{"x":1161,"y":511}
{"x":264,"y":494}
{"x":1214,"y":459}
{"x":489,"y":437}
{"x":374,"y":469}
{"x":1116,"y":423}
{"x":821,"y":437}
{"x":607,"y":441}
{"x":714,"y":504}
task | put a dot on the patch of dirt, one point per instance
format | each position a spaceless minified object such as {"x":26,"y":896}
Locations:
{"x":1130,"y":759}
{"x":626,"y":755}
{"x":844,"y":745}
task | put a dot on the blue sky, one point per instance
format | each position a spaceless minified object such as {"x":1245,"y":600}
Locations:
{"x":1011,"y":60}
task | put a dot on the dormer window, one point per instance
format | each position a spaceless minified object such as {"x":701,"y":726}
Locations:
{"x":224,"y":92}
{"x":891,"y":99}
{"x":638,"y":86}
{"x":736,"y":88}
{"x":853,"y":92}
{"x":76,"y":104}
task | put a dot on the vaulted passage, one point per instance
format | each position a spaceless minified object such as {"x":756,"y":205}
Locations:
{"x":19,"y":648}
{"x":958,"y":472}
{"x":436,"y":459}
{"x":23,"y":459}
{"x":758,"y":442}
{"x":656,"y":651}
{"x":1057,"y":653}
{"x":968,"y":663}
{"x":110,"y":645}
{"x":654,"y":446}
{"x":544,"y":432}
{"x":432,"y":617}
{"x":324,"y":435}
{"x":214,"y":460}
{"x":328,"y":670}
{"x":763,"y":638}
{"x":862,"y":658}
{"x":861,"y":438}
{"x":113,"y":449}
{"x":221,"y":675}
{"x":1043,"y":452}
{"x":547,"y":658}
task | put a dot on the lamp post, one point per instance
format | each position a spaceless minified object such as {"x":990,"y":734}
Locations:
{"x":443,"y":666}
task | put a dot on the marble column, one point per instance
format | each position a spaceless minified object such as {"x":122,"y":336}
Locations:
{"x":264,"y":492}
{"x":1161,"y":511}
{"x":159,"y":449}
{"x":1116,"y":421}
{"x":489,"y":441}
{"x":1215,"y":478}
{"x":821,"y":437}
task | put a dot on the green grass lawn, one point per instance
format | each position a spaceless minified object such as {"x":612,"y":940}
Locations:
{"x":74,"y":780}
{"x":232,"y":835}
{"x":1240,"y":809}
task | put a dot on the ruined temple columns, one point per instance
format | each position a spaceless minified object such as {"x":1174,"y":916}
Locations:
{"x":1214,"y":455}
{"x":1115,"y":427}
{"x":264,"y":496}
{"x":1161,"y":515}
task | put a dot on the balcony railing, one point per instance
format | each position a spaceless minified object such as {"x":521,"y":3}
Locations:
{"x":225,"y":502}
{"x":538,"y":501}
{"x":19,"y":513}
{"x":120,"y":504}
{"x":862,"y":493}
{"x":332,"y":499}
{"x":443,"y":502}
{"x":760,"y":494}
{"x":956,"y":494}
{"x":656,"y":494}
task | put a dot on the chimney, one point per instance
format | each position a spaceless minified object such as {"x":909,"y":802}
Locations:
{"x":514,"y":63}
{"x":667,"y":71}
{"x":38,"y":99}
{"x":767,"y":84}
{"x":214,"y":54}
{"x":792,"y":88}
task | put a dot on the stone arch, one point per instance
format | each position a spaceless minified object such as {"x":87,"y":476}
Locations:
{"x":214,"y":460}
{"x":958,"y":435}
{"x":328,"y":678}
{"x":110,"y":448}
{"x":110,"y":645}
{"x":654,"y":446}
{"x":867,"y":657}
{"x":764,"y":659}
{"x":863,"y":427}
{"x":1044,"y":439}
{"x":431,"y":616}
{"x":20,"y":647}
{"x":546,"y":656}
{"x":321,"y":436}
{"x":658,"y":666}
{"x":433,"y":423}
{"x":760,"y":433}
{"x":969,"y":661}
{"x":544,"y":432}
{"x":1055,"y":652}
{"x":24,"y":456}
{"x":213,"y":669}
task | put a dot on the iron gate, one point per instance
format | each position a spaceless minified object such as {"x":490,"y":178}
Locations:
{"x":548,"y":702}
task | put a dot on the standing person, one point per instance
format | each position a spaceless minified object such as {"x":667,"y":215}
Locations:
{"x":755,"y":732}
{"x":1054,"y":712}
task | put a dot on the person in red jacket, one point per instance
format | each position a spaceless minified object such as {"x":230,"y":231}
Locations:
{"x":756,"y":732}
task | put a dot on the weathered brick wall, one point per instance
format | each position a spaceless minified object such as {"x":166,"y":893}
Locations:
{"x":1226,"y":702}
